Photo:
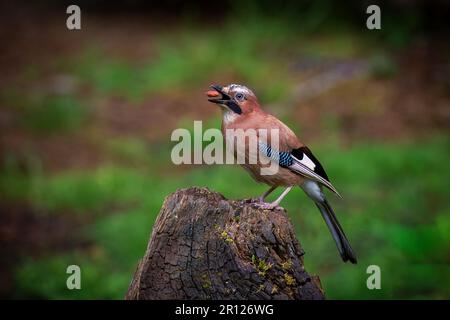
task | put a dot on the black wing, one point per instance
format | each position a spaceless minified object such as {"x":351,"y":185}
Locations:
{"x":317,"y":168}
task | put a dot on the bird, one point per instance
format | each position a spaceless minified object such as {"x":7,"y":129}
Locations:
{"x":297,"y":165}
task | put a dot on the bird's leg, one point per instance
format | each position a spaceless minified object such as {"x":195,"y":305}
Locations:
{"x":263,"y":197}
{"x":275,"y":204}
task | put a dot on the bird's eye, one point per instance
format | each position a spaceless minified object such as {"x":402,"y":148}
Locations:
{"x":239,"y":96}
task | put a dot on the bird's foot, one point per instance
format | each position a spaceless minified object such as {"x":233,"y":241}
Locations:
{"x":258,"y":200}
{"x":268,"y":206}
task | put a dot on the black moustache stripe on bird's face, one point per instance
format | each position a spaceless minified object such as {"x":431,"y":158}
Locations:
{"x":225,"y":100}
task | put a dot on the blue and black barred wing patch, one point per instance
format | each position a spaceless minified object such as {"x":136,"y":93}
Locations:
{"x":284,"y":159}
{"x":301,"y":161}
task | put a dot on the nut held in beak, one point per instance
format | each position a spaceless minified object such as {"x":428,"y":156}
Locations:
{"x":212,"y":93}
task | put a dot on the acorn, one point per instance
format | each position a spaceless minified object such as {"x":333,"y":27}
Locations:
{"x":212,"y":93}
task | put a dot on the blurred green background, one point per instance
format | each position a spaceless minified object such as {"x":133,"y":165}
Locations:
{"x":86,"y":118}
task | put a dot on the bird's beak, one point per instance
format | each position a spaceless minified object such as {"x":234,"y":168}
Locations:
{"x":214,"y":95}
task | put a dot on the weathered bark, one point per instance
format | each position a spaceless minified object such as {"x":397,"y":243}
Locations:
{"x":206,"y":247}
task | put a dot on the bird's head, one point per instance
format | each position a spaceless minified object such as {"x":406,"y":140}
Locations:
{"x":234,"y":98}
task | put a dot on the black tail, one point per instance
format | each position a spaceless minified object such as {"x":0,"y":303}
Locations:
{"x":338,"y":234}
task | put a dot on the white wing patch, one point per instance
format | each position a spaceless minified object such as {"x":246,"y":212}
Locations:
{"x":306,"y":161}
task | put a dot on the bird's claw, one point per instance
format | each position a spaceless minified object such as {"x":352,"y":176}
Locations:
{"x":258,"y":200}
{"x":267,"y":206}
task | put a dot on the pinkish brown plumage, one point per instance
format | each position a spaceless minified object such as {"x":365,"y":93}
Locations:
{"x":296,"y":165}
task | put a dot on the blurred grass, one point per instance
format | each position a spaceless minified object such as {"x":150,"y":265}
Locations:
{"x":395,"y":211}
{"x":245,"y":52}
{"x":44,"y":113}
{"x":56,"y":114}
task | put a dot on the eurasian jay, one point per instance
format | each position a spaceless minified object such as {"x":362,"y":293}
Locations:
{"x":297,"y":165}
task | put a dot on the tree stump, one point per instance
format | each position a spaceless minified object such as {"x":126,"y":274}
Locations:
{"x":204,"y":246}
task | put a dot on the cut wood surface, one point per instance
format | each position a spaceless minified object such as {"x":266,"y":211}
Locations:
{"x":204,"y":246}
